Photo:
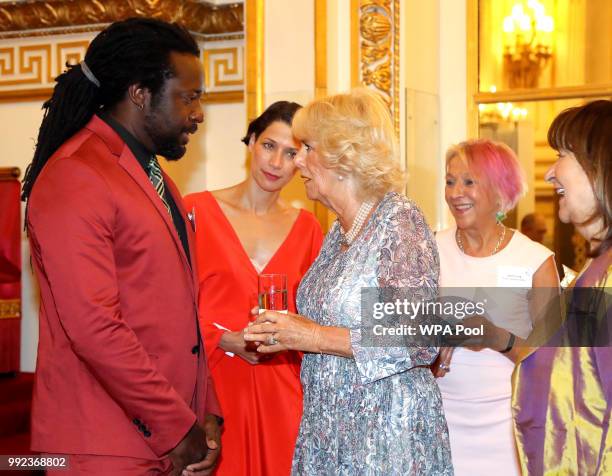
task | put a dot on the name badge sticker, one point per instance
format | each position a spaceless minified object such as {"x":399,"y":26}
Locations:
{"x":514,"y":276}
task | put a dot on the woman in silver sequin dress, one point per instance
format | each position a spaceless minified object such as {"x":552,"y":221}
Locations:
{"x":367,"y":410}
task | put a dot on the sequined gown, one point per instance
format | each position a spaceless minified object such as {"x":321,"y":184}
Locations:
{"x":379,"y":413}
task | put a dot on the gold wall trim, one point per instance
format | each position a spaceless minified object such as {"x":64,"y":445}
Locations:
{"x":28,"y":71}
{"x":223,"y":62}
{"x":355,"y":56}
{"x":51,"y":31}
{"x":97,"y":27}
{"x":254,"y":58}
{"x":235,"y":36}
{"x":10,"y":173}
{"x":65,"y":53}
{"x":567,"y":92}
{"x":223,"y":97}
{"x":31,"y":61}
{"x":18,"y":95}
{"x":31,"y":68}
{"x":195,"y":16}
{"x":10,"y":308}
{"x":320,"y":31}
{"x":223,"y":66}
{"x":396,"y":67}
{"x":472,"y":67}
{"x":375,"y":50}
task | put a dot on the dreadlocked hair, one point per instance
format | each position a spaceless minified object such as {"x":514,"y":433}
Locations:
{"x":132,"y":51}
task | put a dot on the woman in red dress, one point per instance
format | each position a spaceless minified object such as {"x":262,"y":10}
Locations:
{"x":241,"y":232}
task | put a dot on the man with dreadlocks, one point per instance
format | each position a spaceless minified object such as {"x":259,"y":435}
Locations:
{"x":122,"y":384}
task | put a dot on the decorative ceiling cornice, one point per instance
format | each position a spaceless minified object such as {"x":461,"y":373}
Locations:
{"x":202,"y":18}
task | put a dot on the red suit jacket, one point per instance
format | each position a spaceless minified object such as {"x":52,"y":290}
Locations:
{"x":120,"y":368}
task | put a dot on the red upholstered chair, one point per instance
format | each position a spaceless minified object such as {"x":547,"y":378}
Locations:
{"x":10,"y":269}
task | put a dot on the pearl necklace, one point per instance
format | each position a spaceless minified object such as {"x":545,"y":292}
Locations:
{"x":360,"y":218}
{"x":499,"y":242}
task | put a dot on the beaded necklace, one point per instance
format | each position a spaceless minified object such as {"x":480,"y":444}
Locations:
{"x":363,"y":212}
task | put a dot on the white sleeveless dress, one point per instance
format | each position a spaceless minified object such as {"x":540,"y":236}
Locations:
{"x":477,"y":390}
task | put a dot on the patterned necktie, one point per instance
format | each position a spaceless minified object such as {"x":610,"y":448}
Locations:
{"x":157,"y":179}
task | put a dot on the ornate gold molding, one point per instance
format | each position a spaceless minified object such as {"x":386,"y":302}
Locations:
{"x":10,"y":308}
{"x":197,"y":17}
{"x":375,"y":49}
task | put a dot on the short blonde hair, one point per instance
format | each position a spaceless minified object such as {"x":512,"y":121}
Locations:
{"x":355,"y":136}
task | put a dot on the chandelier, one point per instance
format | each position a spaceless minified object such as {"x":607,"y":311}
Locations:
{"x":528,"y":44}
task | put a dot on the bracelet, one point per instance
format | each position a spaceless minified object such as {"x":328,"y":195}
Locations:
{"x":510,"y":344}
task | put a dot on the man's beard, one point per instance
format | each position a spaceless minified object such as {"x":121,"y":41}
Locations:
{"x":166,"y":145}
{"x":170,"y":149}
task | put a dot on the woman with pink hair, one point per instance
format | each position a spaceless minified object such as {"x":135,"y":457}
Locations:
{"x":484,"y":181}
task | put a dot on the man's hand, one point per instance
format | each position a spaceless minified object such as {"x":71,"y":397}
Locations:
{"x":213,"y":442}
{"x":190,"y":449}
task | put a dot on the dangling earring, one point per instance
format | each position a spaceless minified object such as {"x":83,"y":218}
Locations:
{"x":500,"y":216}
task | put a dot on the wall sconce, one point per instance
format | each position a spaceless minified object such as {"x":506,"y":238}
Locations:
{"x":528,"y":44}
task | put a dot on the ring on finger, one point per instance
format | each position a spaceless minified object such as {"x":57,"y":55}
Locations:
{"x":445,"y":367}
{"x":272,"y":340}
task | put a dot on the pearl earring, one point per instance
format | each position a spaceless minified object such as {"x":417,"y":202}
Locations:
{"x":340,"y":178}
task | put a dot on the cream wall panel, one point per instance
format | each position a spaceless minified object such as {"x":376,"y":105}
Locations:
{"x":434,"y":83}
{"x":421,"y":124}
{"x":289,"y":66}
{"x":289,"y":50}
{"x":338,"y":46}
{"x":453,"y":90}
{"x":420,"y":45}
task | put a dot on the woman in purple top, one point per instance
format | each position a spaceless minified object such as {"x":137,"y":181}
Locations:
{"x":563,"y":395}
